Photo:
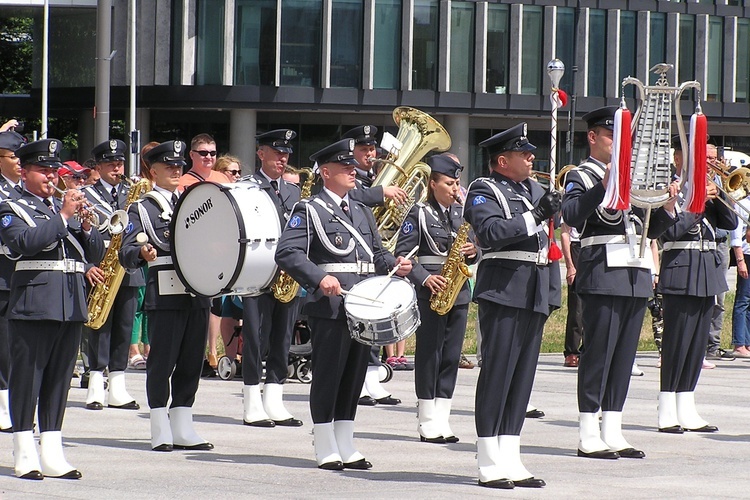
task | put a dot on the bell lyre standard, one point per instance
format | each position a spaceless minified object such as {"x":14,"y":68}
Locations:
{"x":640,"y":173}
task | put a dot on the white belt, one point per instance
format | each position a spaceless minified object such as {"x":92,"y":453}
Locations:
{"x":703,"y":245}
{"x":360,"y":267}
{"x":161,"y":261}
{"x":602,"y":240}
{"x":431,"y":259}
{"x":513,"y":255}
{"x":65,"y":265}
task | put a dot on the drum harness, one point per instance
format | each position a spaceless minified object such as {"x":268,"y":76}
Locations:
{"x":166,"y":214}
{"x":439,"y":257}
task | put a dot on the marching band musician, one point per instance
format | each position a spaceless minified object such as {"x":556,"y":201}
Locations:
{"x":514,"y":286}
{"x":329,"y":244}
{"x":177,"y":321}
{"x":109,"y":345}
{"x":433,"y":226}
{"x":47,"y":305}
{"x":266,"y":320}
{"x":613,"y":293}
{"x":690,"y":278}
{"x":10,"y":188}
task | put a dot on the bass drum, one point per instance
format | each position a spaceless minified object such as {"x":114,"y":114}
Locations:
{"x":224,"y":238}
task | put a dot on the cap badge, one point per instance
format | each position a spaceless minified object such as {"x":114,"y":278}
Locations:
{"x":366,"y":130}
{"x":524,"y":130}
{"x":177,"y":146}
{"x":52,"y":147}
{"x":288,"y":134}
{"x":351,"y":144}
{"x":113,"y":145}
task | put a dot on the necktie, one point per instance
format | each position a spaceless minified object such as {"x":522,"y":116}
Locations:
{"x":49,"y":204}
{"x":114,"y":195}
{"x":174,"y":200}
{"x":447,"y":215}
{"x":345,"y":208}
{"x":275,"y":186}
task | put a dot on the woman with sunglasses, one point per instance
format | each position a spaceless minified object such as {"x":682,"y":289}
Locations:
{"x":230,"y":166}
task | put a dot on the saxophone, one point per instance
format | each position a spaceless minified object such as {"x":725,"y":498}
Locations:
{"x":455,"y":271}
{"x":102,"y":296}
{"x":285,"y":288}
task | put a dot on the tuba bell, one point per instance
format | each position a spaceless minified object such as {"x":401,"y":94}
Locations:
{"x":418,"y":134}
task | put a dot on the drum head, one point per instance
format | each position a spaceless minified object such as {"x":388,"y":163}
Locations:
{"x":397,"y":295}
{"x":217,"y":228}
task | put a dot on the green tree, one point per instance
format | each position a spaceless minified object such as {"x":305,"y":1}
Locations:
{"x":16,"y":52}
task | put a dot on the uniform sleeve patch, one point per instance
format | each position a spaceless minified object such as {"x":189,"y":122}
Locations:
{"x":129,"y":228}
{"x":6,"y":220}
{"x":478,"y":200}
{"x":295,"y":221}
{"x":568,"y":187}
{"x":407,"y":227}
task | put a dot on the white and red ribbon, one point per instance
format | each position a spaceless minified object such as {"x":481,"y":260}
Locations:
{"x":697,"y":171}
{"x":617,"y":195}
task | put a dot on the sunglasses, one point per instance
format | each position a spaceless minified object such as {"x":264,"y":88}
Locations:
{"x":234,"y":172}
{"x":205,"y":153}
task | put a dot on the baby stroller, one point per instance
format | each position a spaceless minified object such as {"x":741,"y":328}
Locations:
{"x":300,"y":353}
{"x":228,"y":368}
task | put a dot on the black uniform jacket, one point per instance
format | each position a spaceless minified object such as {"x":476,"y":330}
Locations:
{"x":130,"y":257}
{"x":435,"y":230}
{"x":301,"y":250}
{"x":47,"y":295}
{"x":513,"y":283}
{"x":97,"y":193}
{"x":691,"y":271}
{"x":580,"y":209}
{"x":7,"y":266}
{"x":289,"y":194}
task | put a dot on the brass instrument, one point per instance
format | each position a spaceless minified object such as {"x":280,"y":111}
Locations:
{"x":102,"y":295}
{"x":455,"y":271}
{"x":418,"y":134}
{"x":84,"y":213}
{"x":285,"y":288}
{"x":735,"y":181}
{"x":559,"y":178}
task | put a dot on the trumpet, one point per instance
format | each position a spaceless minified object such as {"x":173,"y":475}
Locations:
{"x":735,"y":184}
{"x":559,"y":178}
{"x":84,"y":212}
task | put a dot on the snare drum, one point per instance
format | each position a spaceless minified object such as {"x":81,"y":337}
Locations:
{"x":224,"y":239}
{"x":391,"y":317}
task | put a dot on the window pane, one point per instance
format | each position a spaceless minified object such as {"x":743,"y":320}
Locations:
{"x":72,"y":47}
{"x":531,"y":53}
{"x":425,"y":63}
{"x":686,"y":58}
{"x":715,"y":68}
{"x":175,"y":47}
{"x":209,"y":62}
{"x":628,"y":41}
{"x":255,"y":42}
{"x":498,"y":43}
{"x":346,"y":44}
{"x":462,"y":46}
{"x":658,"y":47}
{"x":300,"y":42}
{"x":597,"y":52}
{"x":387,"y":57}
{"x":743,"y":60}
{"x":565,"y":44}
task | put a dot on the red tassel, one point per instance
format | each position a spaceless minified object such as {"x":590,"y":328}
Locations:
{"x":554,"y":252}
{"x":563,"y":97}
{"x":699,"y":171}
{"x":623,"y":161}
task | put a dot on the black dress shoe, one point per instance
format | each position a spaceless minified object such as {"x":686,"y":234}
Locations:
{"x":451,"y":439}
{"x":531,"y":482}
{"x":34,"y":474}
{"x":335,"y":465}
{"x":674,"y":429}
{"x":534,"y":414}
{"x":501,"y":484}
{"x":605,"y":454}
{"x":631,"y":453}
{"x":194,"y":447}
{"x":436,"y":440}
{"x":360,"y":464}
{"x":74,"y":474}
{"x":163,"y":447}
{"x":289,"y":422}
{"x":266,"y":422}
{"x":388,"y":401}
{"x":127,"y":406}
{"x":366,"y":401}
{"x":94,"y":406}
{"x":705,"y":428}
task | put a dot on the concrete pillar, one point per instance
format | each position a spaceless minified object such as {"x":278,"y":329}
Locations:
{"x":242,"y":127}
{"x":458,"y":128}
{"x":85,"y":134}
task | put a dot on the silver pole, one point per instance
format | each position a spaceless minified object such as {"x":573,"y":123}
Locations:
{"x":103,"y":58}
{"x":134,"y":135}
{"x":45,"y":70}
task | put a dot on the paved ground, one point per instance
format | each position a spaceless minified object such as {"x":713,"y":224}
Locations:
{"x":111,"y":448}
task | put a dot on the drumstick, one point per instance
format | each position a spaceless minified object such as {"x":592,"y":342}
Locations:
{"x":346,"y":292}
{"x":398,"y":266}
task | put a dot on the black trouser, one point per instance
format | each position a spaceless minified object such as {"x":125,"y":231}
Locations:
{"x":178,"y":340}
{"x":511,"y":338}
{"x":4,"y":340}
{"x":339,"y":365}
{"x":687,"y":321}
{"x":267,"y":328}
{"x":613,"y":327}
{"x":438,"y":351}
{"x":110,"y":344}
{"x":42,"y":357}
{"x":574,"y":323}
